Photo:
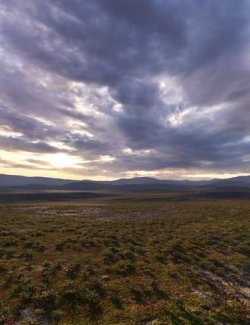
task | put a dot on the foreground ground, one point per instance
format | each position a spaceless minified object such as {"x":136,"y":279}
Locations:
{"x":125,"y":262}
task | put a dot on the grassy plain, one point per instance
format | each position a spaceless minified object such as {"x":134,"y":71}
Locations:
{"x":137,"y":259}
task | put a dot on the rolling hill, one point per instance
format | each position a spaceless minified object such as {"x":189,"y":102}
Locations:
{"x":16,"y":180}
{"x":124,"y":184}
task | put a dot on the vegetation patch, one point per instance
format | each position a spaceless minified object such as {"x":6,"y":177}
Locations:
{"x":125,"y":263}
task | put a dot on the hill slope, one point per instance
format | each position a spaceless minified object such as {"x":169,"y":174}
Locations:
{"x":15,"y":180}
{"x":130,"y":184}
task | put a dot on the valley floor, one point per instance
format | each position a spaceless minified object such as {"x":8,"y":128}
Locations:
{"x":125,"y":262}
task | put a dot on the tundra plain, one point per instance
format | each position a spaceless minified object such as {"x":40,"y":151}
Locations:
{"x":135,"y":258}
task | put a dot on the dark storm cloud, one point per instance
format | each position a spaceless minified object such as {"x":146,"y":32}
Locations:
{"x":114,"y":56}
{"x":90,"y":42}
{"x":23,"y":144}
{"x":28,"y":127}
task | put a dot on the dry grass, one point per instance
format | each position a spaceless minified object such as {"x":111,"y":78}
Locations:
{"x":125,"y":263}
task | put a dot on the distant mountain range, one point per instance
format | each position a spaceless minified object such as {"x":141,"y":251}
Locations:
{"x":14,"y":180}
{"x":130,"y":184}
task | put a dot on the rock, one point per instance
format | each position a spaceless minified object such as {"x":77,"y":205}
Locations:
{"x":155,"y":322}
{"x":105,"y":278}
{"x":26,"y":313}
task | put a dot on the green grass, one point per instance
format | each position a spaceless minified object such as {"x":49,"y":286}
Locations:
{"x":125,"y":263}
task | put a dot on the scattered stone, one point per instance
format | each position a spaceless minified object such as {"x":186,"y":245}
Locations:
{"x":105,"y":277}
{"x":155,"y":322}
{"x":28,"y":316}
{"x":27,"y":313}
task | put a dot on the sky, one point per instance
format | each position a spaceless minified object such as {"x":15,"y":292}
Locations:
{"x":100,"y":89}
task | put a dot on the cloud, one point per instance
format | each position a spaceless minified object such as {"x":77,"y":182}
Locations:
{"x":162,"y":77}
